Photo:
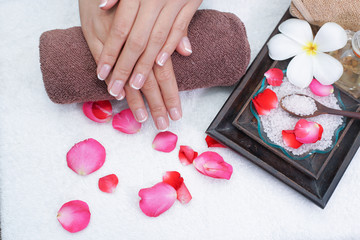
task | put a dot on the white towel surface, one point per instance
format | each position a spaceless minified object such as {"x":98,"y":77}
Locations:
{"x":35,"y":135}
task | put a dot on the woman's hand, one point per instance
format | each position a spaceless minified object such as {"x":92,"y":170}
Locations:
{"x":143,"y":31}
{"x":96,"y":25}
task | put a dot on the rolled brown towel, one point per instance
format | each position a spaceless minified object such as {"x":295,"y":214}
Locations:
{"x":220,"y":57}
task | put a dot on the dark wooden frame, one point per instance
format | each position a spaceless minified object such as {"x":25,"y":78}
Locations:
{"x":319,"y":185}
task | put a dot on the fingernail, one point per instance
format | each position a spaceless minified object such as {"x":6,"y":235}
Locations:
{"x":138,"y":81}
{"x":121,"y":95}
{"x":102,"y":3}
{"x":175,"y":114}
{"x":161,"y":124}
{"x":104,"y":72}
{"x":162,"y":59}
{"x":140,"y":115}
{"x":116,"y":88}
{"x":187,"y":45}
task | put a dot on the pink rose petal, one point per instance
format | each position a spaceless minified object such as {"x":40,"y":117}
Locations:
{"x":157,"y":199}
{"x":274,"y":76}
{"x":265,"y":101}
{"x":86,"y":157}
{"x":173,"y":178}
{"x":213,"y":165}
{"x":108,"y":183}
{"x":213,"y":143}
{"x":320,"y":90}
{"x":187,"y":155}
{"x":289,"y":139}
{"x":125,"y":122}
{"x":308,"y":132}
{"x":183,"y":194}
{"x":99,"y":111}
{"x":74,"y":216}
{"x":165,"y":141}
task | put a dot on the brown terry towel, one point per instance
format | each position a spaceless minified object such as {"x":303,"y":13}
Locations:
{"x":220,"y":57}
{"x":318,"y":12}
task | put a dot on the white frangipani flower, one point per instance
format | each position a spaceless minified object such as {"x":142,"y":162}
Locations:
{"x":296,"y":39}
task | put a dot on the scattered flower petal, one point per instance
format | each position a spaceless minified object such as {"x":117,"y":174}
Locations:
{"x":274,"y":76}
{"x":165,"y":141}
{"x":157,"y":199}
{"x":320,"y":90}
{"x":125,"y":122}
{"x":213,"y":143}
{"x":74,"y":216}
{"x":290,"y":139}
{"x":187,"y":155}
{"x":213,"y":165}
{"x":265,"y":101}
{"x":173,"y":178}
{"x":308,"y":132}
{"x":100,"y":111}
{"x":183,"y":194}
{"x":86,"y":157}
{"x":108,"y":183}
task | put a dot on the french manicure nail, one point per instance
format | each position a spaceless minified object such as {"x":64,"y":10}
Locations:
{"x":140,"y":115}
{"x":102,"y":3}
{"x":138,"y":81}
{"x":187,"y":44}
{"x":121,"y":95}
{"x":161,"y":124}
{"x":162,"y":59}
{"x":104,"y":72}
{"x":116,"y":88}
{"x":175,"y":114}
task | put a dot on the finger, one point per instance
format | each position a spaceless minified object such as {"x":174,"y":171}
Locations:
{"x":167,"y":82}
{"x":135,"y":44}
{"x":155,"y":101}
{"x":107,"y":4}
{"x":136,"y":103}
{"x":184,"y":47}
{"x":123,"y":21}
{"x":178,"y":31}
{"x":157,"y":39}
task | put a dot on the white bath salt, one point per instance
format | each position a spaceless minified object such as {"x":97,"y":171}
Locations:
{"x":299,"y":105}
{"x":279,"y":120}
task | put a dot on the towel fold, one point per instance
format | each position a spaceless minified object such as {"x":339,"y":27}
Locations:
{"x":221,"y":54}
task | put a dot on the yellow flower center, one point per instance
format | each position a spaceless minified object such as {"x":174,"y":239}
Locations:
{"x":310,"y":48}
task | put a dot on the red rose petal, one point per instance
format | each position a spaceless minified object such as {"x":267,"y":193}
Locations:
{"x":165,"y":141}
{"x":183,"y":194}
{"x":187,"y":155}
{"x":125,"y":122}
{"x":308,"y":132}
{"x":108,"y":183}
{"x":274,"y":76}
{"x":173,"y":178}
{"x":157,"y":199}
{"x":74,"y":216}
{"x":290,"y":139}
{"x":213,"y":165}
{"x":213,"y":143}
{"x":100,"y":111}
{"x":265,"y":101}
{"x":86,"y":157}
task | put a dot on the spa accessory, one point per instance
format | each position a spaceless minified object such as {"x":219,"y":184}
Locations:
{"x":319,"y":109}
{"x":221,"y":54}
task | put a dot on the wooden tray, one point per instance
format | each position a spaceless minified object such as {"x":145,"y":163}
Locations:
{"x":315,"y":177}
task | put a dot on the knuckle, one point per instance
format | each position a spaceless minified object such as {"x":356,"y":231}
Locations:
{"x":149,"y":86}
{"x":158,"y":37}
{"x":158,"y":109}
{"x":180,"y":26}
{"x":136,"y":43}
{"x":172,"y":100}
{"x":120,"y":30}
{"x":122,"y":73}
{"x":164,"y":75}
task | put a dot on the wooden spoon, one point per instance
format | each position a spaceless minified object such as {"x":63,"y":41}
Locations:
{"x":320,"y":109}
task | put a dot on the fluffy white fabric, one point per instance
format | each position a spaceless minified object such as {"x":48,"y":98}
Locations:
{"x":36,"y":135}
